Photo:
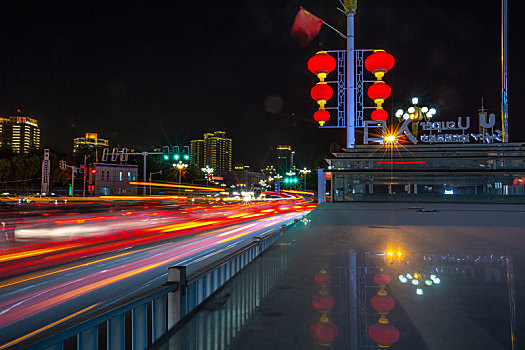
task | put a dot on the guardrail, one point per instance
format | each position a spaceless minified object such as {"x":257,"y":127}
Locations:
{"x":151,"y":314}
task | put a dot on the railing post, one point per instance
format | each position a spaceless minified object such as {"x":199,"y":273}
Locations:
{"x":158,"y":317}
{"x":177,"y":299}
{"x":116,"y":332}
{"x":139,"y":327}
{"x":257,"y":241}
{"x":88,"y":339}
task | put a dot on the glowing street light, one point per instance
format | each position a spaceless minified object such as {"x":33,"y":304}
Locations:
{"x":180,"y":166}
{"x":305,"y":172}
{"x":416,"y":114}
{"x":209,"y":173}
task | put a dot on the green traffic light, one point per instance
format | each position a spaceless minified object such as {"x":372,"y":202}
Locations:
{"x":166,"y":157}
{"x":186,"y":157}
{"x":176,"y":157}
{"x":295,"y":179}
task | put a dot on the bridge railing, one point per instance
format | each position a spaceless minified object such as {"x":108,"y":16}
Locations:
{"x":141,"y":320}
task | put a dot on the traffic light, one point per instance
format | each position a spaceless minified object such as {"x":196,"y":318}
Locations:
{"x":62,"y":164}
{"x":176,"y":153}
{"x":166,"y":152}
{"x":105,"y":154}
{"x":124,"y":155}
{"x":185,"y":153}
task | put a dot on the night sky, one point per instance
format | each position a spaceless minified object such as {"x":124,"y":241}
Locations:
{"x":154,"y":73}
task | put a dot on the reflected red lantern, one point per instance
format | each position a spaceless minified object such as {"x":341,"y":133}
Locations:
{"x":321,"y":116}
{"x":382,"y":279}
{"x":323,"y":303}
{"x":323,"y":278}
{"x":379,"y":91}
{"x":324,"y":332}
{"x":383,"y":334}
{"x":379,"y":114}
{"x":379,"y":63}
{"x":321,"y":64}
{"x":383,"y":304}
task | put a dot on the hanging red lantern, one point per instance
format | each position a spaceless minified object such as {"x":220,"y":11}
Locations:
{"x":379,"y":114}
{"x":382,"y":279}
{"x":321,"y":64}
{"x":383,"y":304}
{"x":321,"y":92}
{"x":321,"y":116}
{"x":324,"y":332}
{"x":379,"y":63}
{"x":383,"y":334}
{"x":379,"y":91}
{"x":323,"y":303}
{"x":323,"y":277}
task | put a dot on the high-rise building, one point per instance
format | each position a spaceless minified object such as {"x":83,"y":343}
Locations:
{"x":285,"y":159}
{"x":218,"y":151}
{"x":90,"y":142}
{"x":214,"y":150}
{"x":20,"y":134}
{"x":197,"y":153}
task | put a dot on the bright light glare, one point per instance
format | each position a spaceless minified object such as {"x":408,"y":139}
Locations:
{"x":409,"y":276}
{"x":389,"y":139}
{"x":432,"y":111}
{"x":424,"y":109}
{"x":415,"y":100}
{"x":399,"y":113}
{"x":415,"y":282}
{"x":402,"y":279}
{"x":406,"y":116}
{"x":411,"y":110}
{"x":419,"y":291}
{"x":437,"y":280}
{"x":428,"y":282}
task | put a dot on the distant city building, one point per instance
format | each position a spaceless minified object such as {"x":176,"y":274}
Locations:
{"x":19,"y":134}
{"x":285,"y":159}
{"x":91,"y":141}
{"x":112,"y":179}
{"x":197,"y":153}
{"x":215,"y":151}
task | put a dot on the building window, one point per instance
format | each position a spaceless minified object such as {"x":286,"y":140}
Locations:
{"x":133,"y":176}
{"x":102,"y":177}
{"x":129,"y":176}
{"x":107,"y":175}
{"x":120,"y":176}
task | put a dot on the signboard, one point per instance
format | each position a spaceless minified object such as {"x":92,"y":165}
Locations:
{"x":277,"y":187}
{"x":44,"y":188}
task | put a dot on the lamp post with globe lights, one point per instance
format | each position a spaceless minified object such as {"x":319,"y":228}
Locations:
{"x":209,"y":173}
{"x":415,"y":113}
{"x":305,"y":172}
{"x":180,"y":166}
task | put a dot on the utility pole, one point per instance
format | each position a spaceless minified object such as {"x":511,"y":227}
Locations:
{"x":350,"y":9}
{"x":153,"y":173}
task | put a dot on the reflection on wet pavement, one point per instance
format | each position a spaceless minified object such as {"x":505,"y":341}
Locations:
{"x":341,"y":282}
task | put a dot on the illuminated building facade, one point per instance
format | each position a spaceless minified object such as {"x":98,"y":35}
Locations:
{"x":112,"y":179}
{"x":197,"y":153}
{"x":285,"y":159}
{"x":215,"y":151}
{"x":19,"y":134}
{"x":91,"y":141}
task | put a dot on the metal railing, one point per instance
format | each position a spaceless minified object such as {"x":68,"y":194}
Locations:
{"x":141,"y":320}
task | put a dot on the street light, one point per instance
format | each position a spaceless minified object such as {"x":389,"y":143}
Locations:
{"x":180,"y":166}
{"x":305,"y":172}
{"x":415,"y":113}
{"x":209,"y":173}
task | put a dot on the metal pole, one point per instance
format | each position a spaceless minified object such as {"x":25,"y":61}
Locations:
{"x":150,"y":184}
{"x":351,"y":6}
{"x":353,"y":299}
{"x":504,"y":73}
{"x":144,"y":154}
{"x":512,"y":302}
{"x":180,"y":172}
{"x":85,"y":175}
{"x":72,"y":181}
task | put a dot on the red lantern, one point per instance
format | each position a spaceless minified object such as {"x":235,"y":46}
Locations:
{"x":323,"y":278}
{"x":383,"y":304}
{"x":382,"y":279}
{"x":324,"y":332}
{"x":379,"y":91}
{"x":323,"y":303}
{"x":321,"y":92}
{"x":383,"y":334}
{"x":379,"y":63}
{"x":321,"y":116}
{"x":321,"y":64}
{"x":379,"y":114}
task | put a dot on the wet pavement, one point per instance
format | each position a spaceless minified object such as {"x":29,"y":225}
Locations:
{"x":357,"y":275}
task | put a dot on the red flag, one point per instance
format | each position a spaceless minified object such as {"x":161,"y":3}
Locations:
{"x":305,"y":27}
